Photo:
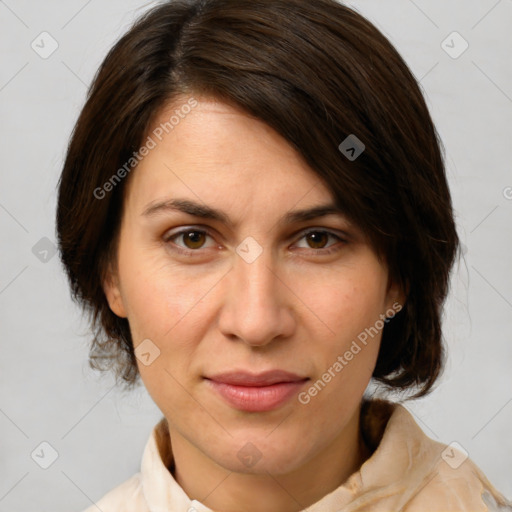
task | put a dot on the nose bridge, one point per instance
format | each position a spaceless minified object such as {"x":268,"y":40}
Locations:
{"x":255,"y":279}
{"x":255,"y":309}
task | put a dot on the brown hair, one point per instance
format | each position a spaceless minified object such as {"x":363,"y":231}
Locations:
{"x":316,"y":72}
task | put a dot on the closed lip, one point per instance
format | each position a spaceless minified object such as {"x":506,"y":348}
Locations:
{"x":267,"y":378}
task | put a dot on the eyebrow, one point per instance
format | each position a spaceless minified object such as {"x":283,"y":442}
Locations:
{"x":206,"y":212}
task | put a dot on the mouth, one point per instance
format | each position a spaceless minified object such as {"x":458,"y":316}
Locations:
{"x":256,"y":392}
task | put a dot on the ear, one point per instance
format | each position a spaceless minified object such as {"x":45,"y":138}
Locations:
{"x":113,"y":293}
{"x":396,"y":294}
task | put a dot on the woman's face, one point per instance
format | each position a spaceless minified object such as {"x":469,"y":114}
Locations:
{"x":253,"y":288}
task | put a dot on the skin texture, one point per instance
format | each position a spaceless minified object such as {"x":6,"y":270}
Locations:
{"x":294,"y":308}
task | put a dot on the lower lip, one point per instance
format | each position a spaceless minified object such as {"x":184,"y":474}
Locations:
{"x":257,"y":398}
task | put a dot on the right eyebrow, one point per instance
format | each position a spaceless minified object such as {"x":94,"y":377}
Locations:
{"x":189,"y":207}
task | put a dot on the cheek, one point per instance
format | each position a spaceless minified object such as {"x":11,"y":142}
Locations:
{"x":156,"y":295}
{"x":167,"y":306}
{"x":346,"y":357}
{"x":349,"y":303}
{"x":349,"y":306}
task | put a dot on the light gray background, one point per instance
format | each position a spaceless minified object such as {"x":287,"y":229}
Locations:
{"x":47,"y":391}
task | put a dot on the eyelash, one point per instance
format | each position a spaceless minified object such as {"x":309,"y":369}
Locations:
{"x":194,"y":252}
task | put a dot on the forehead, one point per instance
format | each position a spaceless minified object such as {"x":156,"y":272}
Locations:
{"x":217,"y":152}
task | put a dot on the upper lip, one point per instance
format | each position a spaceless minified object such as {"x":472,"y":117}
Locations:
{"x":243,"y":378}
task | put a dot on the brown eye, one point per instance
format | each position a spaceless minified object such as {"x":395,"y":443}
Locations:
{"x":193,"y":239}
{"x":189,"y":240}
{"x":321,"y":242}
{"x":317,"y":239}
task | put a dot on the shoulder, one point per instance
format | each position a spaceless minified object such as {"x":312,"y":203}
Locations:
{"x":416,"y":473}
{"x":463,"y":488}
{"x":126,"y":497}
{"x":449,"y":480}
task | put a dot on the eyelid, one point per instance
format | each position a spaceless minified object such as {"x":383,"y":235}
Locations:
{"x":168,"y":236}
{"x":334,"y":232}
{"x":341,"y":238}
{"x":315,"y":229}
{"x":340,"y":235}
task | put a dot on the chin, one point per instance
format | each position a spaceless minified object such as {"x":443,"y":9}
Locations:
{"x":261,"y":455}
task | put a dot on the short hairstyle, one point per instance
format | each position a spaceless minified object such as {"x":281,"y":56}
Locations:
{"x":317,"y":73}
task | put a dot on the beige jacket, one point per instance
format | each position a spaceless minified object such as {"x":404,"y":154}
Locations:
{"x":407,"y":472}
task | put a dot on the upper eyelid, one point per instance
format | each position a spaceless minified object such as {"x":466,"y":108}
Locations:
{"x":331,"y":231}
{"x":303,"y":232}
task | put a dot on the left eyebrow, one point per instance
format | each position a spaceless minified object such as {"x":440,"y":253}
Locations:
{"x":206,"y":212}
{"x":297,"y":216}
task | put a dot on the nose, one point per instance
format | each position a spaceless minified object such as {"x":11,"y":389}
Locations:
{"x":258,"y":305}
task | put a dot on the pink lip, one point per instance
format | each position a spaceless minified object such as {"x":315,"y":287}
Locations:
{"x":257,"y":393}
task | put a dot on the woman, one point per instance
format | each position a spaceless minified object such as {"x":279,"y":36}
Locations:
{"x":255,"y":211}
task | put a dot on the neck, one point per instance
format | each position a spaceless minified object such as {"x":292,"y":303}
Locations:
{"x":223,"y":491}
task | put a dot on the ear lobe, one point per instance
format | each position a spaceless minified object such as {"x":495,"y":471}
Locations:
{"x":396,"y":294}
{"x":113,"y":294}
